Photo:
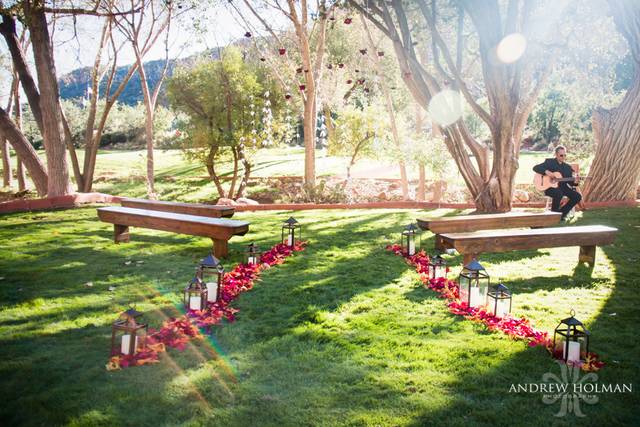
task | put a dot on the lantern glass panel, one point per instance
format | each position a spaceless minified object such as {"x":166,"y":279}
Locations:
{"x":253,"y":254}
{"x":291,"y":232}
{"x":210,"y":273}
{"x":474,"y":284}
{"x":437,"y":267}
{"x":409,"y":239}
{"x":499,"y":300}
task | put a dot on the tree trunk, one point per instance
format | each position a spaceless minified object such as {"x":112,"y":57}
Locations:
{"x":25,"y":151}
{"x":148,"y":125}
{"x":210,"y":163}
{"x":247,"y":171}
{"x":58,"y":172}
{"x":615,"y":170}
{"x":422,"y":188}
{"x":17,"y":115}
{"x":7,"y":174}
{"x":309,"y":124}
{"x":234,"y":177}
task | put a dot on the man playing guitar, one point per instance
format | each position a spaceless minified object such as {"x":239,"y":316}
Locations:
{"x":550,"y":168}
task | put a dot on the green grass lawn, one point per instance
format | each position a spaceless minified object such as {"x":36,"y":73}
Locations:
{"x":123,"y":172}
{"x":341,"y":334}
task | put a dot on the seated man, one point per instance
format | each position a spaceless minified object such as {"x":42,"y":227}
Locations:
{"x":564,"y":188}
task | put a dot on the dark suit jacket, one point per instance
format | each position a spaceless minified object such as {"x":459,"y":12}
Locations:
{"x":554,"y":166}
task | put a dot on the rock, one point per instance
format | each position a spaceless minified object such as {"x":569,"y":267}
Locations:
{"x":522,"y":196}
{"x":226,"y":202}
{"x":246,"y":201}
{"x":89,"y":284}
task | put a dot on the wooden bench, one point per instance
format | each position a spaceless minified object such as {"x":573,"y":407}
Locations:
{"x":462,"y":223}
{"x":199,"y":209}
{"x":219,"y":230}
{"x":471,"y":245}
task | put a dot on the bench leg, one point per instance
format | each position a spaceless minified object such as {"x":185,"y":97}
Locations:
{"x":120,"y":233}
{"x":439,"y":244}
{"x":588,"y":255}
{"x":467,"y":258}
{"x":220,"y":248}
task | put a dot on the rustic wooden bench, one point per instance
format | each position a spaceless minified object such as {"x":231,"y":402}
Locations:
{"x":462,"y":223}
{"x":471,"y":245}
{"x":199,"y":209}
{"x":219,"y":230}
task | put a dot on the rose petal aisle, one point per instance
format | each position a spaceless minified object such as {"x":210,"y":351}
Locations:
{"x":516,"y":328}
{"x":176,"y":333}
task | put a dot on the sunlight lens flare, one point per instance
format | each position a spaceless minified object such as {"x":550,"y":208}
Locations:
{"x":446,"y":107}
{"x":511,"y":48}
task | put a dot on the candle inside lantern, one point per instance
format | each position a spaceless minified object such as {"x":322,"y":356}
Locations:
{"x":412,"y":247}
{"x":574,"y":351}
{"x":290,"y":240}
{"x":126,"y":342}
{"x":252,"y":260}
{"x":502,"y":308}
{"x":474,"y":301}
{"x":195,"y":303}
{"x":212,"y":291}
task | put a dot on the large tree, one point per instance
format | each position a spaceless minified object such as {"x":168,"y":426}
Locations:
{"x":510,"y":88}
{"x":615,"y":169}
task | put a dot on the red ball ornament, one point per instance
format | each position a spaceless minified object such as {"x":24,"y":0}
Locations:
{"x":330,"y":66}
{"x":302,"y":87}
{"x":282,"y":51}
{"x":380,"y":53}
{"x":366,"y":89}
{"x":247,"y":34}
{"x":340,"y":65}
{"x":299,"y":70}
{"x":287,"y":97}
{"x":349,"y":81}
{"x":348,"y":21}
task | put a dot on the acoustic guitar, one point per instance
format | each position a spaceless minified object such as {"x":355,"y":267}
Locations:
{"x":542,"y":182}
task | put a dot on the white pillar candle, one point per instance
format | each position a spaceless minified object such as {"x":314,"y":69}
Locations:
{"x":194,"y":303}
{"x":212,"y":291}
{"x":126,"y":342}
{"x":574,"y":351}
{"x":412,"y":247}
{"x":252,"y":260}
{"x":502,"y":308}
{"x":290,"y":240}
{"x":474,"y":301}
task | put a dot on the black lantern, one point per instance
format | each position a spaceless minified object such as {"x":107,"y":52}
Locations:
{"x":289,"y":233}
{"x":573,"y":338}
{"x":128,"y":336}
{"x":211,"y":273}
{"x":252,"y":254}
{"x":195,"y":294}
{"x":499,"y":300}
{"x":408,"y":239}
{"x":437,"y":267}
{"x":474,"y":284}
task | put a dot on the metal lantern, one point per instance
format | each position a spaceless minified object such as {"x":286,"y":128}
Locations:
{"x":211,"y":273}
{"x":499,"y":300}
{"x":437,"y":267}
{"x":128,"y":336}
{"x":289,"y":233}
{"x":474,"y":284}
{"x":573,"y":337}
{"x":195,"y":294}
{"x":408,"y":239}
{"x":252,"y":254}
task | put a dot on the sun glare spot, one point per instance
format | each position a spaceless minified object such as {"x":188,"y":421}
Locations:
{"x":511,"y":48}
{"x":446,"y":107}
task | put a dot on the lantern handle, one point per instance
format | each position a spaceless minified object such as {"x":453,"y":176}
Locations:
{"x":572,"y":313}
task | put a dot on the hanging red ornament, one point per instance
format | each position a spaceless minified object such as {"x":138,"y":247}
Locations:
{"x":349,"y":81}
{"x":380,"y":53}
{"x":306,"y":71}
{"x":340,"y":65}
{"x":247,"y":34}
{"x":263,"y":59}
{"x":302,"y":87}
{"x":363,"y":51}
{"x":287,"y":97}
{"x":330,"y":66}
{"x":299,"y":70}
{"x":282,"y":51}
{"x":361,"y":81}
{"x":366,"y":89}
{"x":348,"y":21}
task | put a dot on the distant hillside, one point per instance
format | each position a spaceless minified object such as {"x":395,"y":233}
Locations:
{"x":74,"y":84}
